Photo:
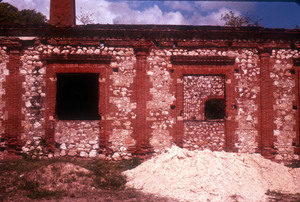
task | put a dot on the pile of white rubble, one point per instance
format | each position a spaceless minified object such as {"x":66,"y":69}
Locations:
{"x":212,"y":176}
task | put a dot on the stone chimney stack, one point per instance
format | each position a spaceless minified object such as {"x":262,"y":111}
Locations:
{"x":62,"y":12}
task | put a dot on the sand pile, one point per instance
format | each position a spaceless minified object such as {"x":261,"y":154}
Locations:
{"x":216,"y":176}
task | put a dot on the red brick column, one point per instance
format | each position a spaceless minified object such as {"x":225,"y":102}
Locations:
{"x":13,"y":100}
{"x":297,"y":105}
{"x":267,"y":139}
{"x":50,"y":109}
{"x":103,"y":100}
{"x":142,"y":92}
{"x":231,"y":111}
{"x":179,"y":109}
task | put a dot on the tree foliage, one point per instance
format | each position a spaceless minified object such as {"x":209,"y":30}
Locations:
{"x":11,"y":15}
{"x":233,"y":20}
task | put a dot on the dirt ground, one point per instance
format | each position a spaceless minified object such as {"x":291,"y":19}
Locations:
{"x":65,"y":181}
{"x":124,"y":196}
{"x":96,"y":195}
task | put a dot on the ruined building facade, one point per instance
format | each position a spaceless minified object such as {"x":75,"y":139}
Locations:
{"x":118,"y":91}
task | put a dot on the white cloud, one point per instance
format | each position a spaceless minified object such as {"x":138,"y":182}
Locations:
{"x":213,"y":18}
{"x":179,"y":5}
{"x":152,"y":15}
{"x":107,"y":12}
{"x":216,"y":5}
{"x":100,"y":9}
{"x":121,"y":13}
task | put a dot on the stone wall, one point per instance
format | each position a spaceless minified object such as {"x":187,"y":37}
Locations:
{"x":247,"y":99}
{"x":247,"y":94}
{"x":286,"y":93}
{"x":196,"y":90}
{"x":204,"y":135}
{"x":120,"y":114}
{"x":200,"y":133}
{"x":77,"y":138}
{"x":170,"y":107}
{"x":162,"y":97}
{"x":33,"y":110}
{"x":122,"y":104}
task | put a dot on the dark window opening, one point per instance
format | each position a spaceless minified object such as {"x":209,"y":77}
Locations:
{"x":215,"y":109}
{"x":77,"y":96}
{"x":292,"y":71}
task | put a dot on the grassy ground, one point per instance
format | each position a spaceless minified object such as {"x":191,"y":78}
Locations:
{"x":65,"y":179}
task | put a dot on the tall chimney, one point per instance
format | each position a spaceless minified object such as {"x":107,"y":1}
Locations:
{"x":62,"y":12}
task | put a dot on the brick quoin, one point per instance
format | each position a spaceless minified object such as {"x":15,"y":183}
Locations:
{"x":231,"y":110}
{"x":296,"y":106}
{"x":266,"y":134}
{"x":13,"y":100}
{"x":141,"y":131}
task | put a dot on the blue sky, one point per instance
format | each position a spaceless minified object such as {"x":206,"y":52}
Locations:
{"x":273,"y":14}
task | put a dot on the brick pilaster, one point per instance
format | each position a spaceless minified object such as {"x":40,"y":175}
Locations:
{"x":231,"y":110}
{"x":141,"y":132}
{"x":266,"y":140}
{"x":297,"y":104}
{"x":179,"y":109}
{"x":103,"y":100}
{"x":13,"y":100}
{"x":50,"y":109}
